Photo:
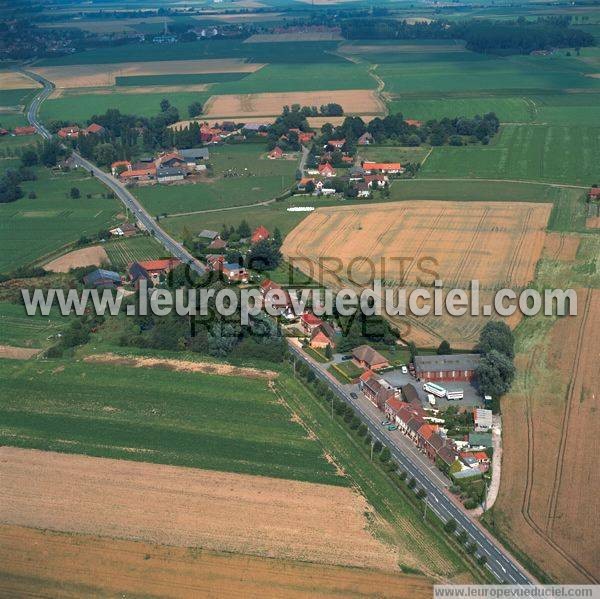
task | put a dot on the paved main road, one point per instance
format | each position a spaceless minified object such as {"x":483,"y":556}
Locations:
{"x":173,"y":247}
{"x":504,"y":567}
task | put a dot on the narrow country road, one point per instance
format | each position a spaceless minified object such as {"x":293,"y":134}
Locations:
{"x":503,"y":566}
{"x":173,"y":247}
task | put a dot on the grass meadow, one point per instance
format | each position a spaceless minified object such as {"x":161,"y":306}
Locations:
{"x":33,"y":228}
{"x":156,"y":415}
{"x":19,"y":330}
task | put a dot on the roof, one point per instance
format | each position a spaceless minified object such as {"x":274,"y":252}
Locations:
{"x":276,"y":151}
{"x":446,"y":363}
{"x":337,"y":142}
{"x":594,"y":192}
{"x":310,"y":319}
{"x":410,"y":394}
{"x":254,"y":126}
{"x":95,"y":128}
{"x":394,"y":404}
{"x":413,"y":122}
{"x":169,"y":156}
{"x":427,"y":430}
{"x":436,"y":441}
{"x":100,"y":274}
{"x":365,"y":353}
{"x":260,"y":233}
{"x":218,"y":244}
{"x":328,"y":329}
{"x":447,"y":454}
{"x":320,"y":337}
{"x":484,"y":439}
{"x":231,"y":266}
{"x":169,"y":171}
{"x":138,"y":173}
{"x":137,"y":271}
{"x":120,"y":163}
{"x":24,"y":130}
{"x":165,"y":264}
{"x":483,"y":416}
{"x":381,"y":166}
{"x":366,"y":375}
{"x":208,"y":234}
{"x":195,"y":153}
{"x":326,"y":168}
{"x":466,"y":473}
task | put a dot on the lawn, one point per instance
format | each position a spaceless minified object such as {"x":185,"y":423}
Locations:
{"x":241,"y":175}
{"x":230,"y":424}
{"x":33,"y":228}
{"x":552,"y":153}
{"x":20,"y":330}
{"x":122,"y":252}
{"x":79,"y":107}
{"x":393,"y":153}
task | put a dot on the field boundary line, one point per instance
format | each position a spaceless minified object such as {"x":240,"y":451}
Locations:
{"x":524,"y":181}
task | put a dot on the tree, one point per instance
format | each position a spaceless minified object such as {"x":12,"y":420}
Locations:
{"x":244,"y":229}
{"x":165,"y":105}
{"x":412,"y":483}
{"x":105,"y":154}
{"x":264,"y":255}
{"x":75,"y":193}
{"x":195,"y":109}
{"x":450,"y":526}
{"x":421,"y":494}
{"x":496,"y":335}
{"x":444,"y":348}
{"x":482,"y":560}
{"x":377,"y":446}
{"x":462,"y":537}
{"x":29,"y":158}
{"x":412,"y":348}
{"x":328,"y":352}
{"x":495,"y":373}
{"x":385,"y":455}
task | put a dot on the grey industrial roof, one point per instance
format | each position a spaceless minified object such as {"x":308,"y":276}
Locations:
{"x":168,"y":171}
{"x":208,"y":234}
{"x":445,"y":363}
{"x":195,"y":153}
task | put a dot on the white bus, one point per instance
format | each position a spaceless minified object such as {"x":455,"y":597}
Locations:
{"x":451,"y":395}
{"x":434,"y":389}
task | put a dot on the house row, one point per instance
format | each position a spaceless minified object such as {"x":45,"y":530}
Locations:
{"x":74,"y":131}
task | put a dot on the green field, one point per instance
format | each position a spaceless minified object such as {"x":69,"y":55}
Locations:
{"x":122,"y":252}
{"x":156,"y":415}
{"x":20,"y":330}
{"x":8,"y":143}
{"x":181,"y":79}
{"x":79,"y":107}
{"x":241,"y":175}
{"x":393,"y":153}
{"x":33,"y":228}
{"x":15,"y":97}
{"x":552,"y":153}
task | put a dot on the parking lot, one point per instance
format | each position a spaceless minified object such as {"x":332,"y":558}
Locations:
{"x":397,"y":379}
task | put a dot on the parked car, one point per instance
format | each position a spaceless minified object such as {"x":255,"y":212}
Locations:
{"x":344,"y":358}
{"x":404,"y":369}
{"x":353,"y":395}
{"x":392,"y":427}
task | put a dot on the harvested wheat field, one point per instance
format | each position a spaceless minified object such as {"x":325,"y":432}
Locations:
{"x":561,"y":246}
{"x":105,"y":25}
{"x":411,"y":244}
{"x":593,"y":222}
{"x":187,"y":507}
{"x":550,"y":490}
{"x":34,"y":562}
{"x":18,"y":353}
{"x":14,"y":80}
{"x":270,"y":104}
{"x":102,"y":75}
{"x":294,"y":36}
{"x":69,"y":92}
{"x":92,"y":256}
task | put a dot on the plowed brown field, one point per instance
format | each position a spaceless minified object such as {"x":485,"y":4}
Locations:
{"x":411,"y":244}
{"x":42,"y":563}
{"x":561,"y":247}
{"x":188,"y":507}
{"x":550,"y":490}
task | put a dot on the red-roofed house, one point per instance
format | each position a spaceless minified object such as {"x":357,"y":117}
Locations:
{"x":144,"y":174}
{"x":413,"y":122}
{"x":275,"y":153}
{"x":155,"y":268}
{"x":260,"y":234}
{"x":326,"y":170}
{"x":594,"y":193}
{"x":24,"y":130}
{"x":375,"y":392}
{"x":275,"y":295}
{"x":309,"y":322}
{"x":320,"y":340}
{"x":377,"y":180}
{"x":305,"y":136}
{"x":119,"y":166}
{"x":94,"y":128}
{"x":382,"y":167}
{"x":71,"y":132}
{"x":392,"y":407}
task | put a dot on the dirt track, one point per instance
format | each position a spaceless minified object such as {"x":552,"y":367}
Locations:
{"x":183,"y":366}
{"x":17,"y":353}
{"x":187,"y":507}
{"x":40,"y":563}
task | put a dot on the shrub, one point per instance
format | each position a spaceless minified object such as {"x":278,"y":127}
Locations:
{"x":450,"y":526}
{"x":412,"y":483}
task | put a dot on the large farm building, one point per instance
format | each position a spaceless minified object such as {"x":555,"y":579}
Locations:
{"x":456,"y":367}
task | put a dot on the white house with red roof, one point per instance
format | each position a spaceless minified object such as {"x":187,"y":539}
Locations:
{"x":326,"y":170}
{"x":309,"y":322}
{"x":275,"y":153}
{"x":260,"y":234}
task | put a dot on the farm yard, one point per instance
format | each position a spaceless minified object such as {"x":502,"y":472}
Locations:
{"x":542,"y":509}
{"x":496,"y":243}
{"x":241,"y":175}
{"x":130,"y":567}
{"x":31,"y":229}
